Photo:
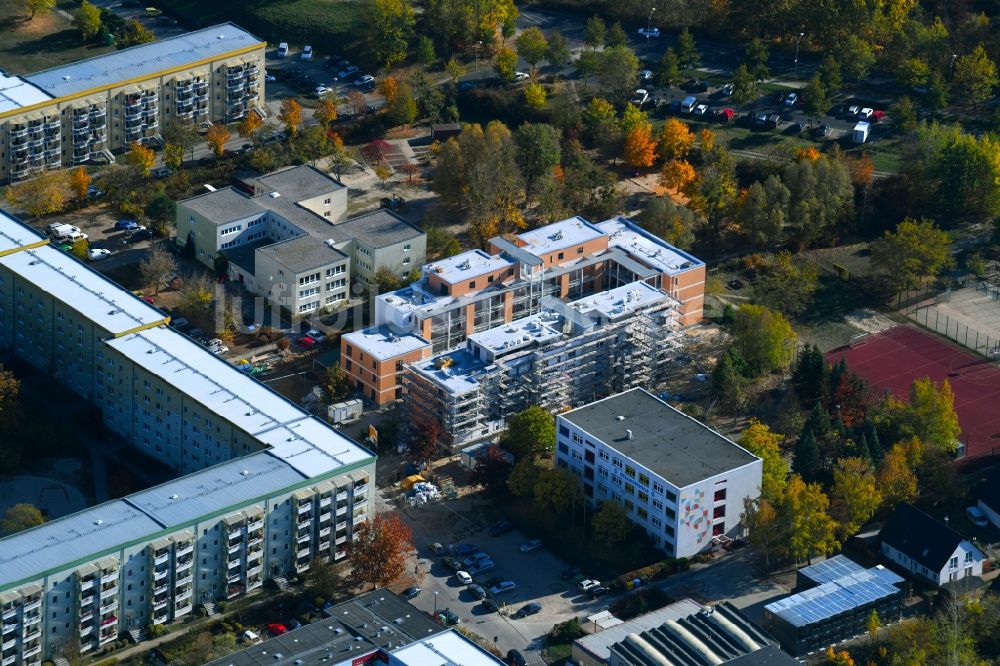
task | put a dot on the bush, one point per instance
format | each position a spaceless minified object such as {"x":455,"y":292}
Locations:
{"x":319,"y":601}
{"x":284,"y":344}
{"x":155,"y":630}
{"x":566,"y":632}
{"x":222,"y":606}
{"x":655,"y":571}
{"x":643,"y":601}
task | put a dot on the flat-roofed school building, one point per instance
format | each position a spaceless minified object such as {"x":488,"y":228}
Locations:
{"x":88,"y":110}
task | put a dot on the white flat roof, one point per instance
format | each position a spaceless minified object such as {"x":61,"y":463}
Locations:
{"x":559,"y":235}
{"x":383,"y":343}
{"x":16,"y":93}
{"x":448,"y":647}
{"x":519,"y":333}
{"x":82,"y":289}
{"x":646,"y":247}
{"x":208,"y":379}
{"x":14,"y":235}
{"x":312,"y":446}
{"x":461,"y":377}
{"x":466,"y":266}
{"x":620,"y":300}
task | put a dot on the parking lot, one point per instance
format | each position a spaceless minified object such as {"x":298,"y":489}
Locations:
{"x":294,"y":77}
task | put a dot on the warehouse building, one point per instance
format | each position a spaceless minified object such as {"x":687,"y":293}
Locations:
{"x":677,"y":479}
{"x":86,"y":111}
{"x":263,"y":487}
{"x":566,"y":355}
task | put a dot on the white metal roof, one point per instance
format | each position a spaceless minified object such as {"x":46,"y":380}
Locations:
{"x":312,"y":446}
{"x":559,"y":235}
{"x":142,"y":61}
{"x":86,"y":291}
{"x":383,"y":343}
{"x":15,"y":235}
{"x":467,"y":266}
{"x":448,"y":647}
{"x":646,"y":247}
{"x":16,"y":93}
{"x":82,"y":535}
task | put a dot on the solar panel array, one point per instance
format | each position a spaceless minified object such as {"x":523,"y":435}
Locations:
{"x":830,"y":570}
{"x":833,"y":598}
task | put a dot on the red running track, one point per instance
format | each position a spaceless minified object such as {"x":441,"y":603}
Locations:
{"x":893,"y":359}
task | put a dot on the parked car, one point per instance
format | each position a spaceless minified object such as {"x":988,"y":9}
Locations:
{"x":221,"y":350}
{"x":161,"y":172}
{"x":587,"y":584}
{"x":529,"y":546}
{"x":437,"y":548}
{"x":125,"y":225}
{"x":477,"y":591}
{"x":347,"y":71}
{"x":451,"y":563}
{"x":365,"y":80}
{"x":194,"y":333}
{"x":515,"y":658}
{"x":180,"y":323}
{"x":283,"y":50}
{"x":570,"y":573}
{"x":501,"y":527}
{"x":322,"y":90}
{"x":853,"y":110}
{"x":521,"y":76}
{"x":482,"y":566}
{"x":822,"y":130}
{"x":94,"y":193}
{"x":449,"y":616}
{"x":463,"y":549}
{"x":774,"y":119}
{"x":645,"y":75}
{"x":307,"y":53}
{"x":649,"y":33}
{"x":472,"y":558}
{"x":977,"y":516}
{"x":411,"y":592}
{"x":98,"y":253}
{"x":306,"y":342}
{"x":503,"y":587}
{"x":724,"y":115}
{"x":528,"y":609}
{"x":727,"y":89}
{"x":791,"y":99}
{"x":597,"y":591}
{"x":463,"y":577}
{"x":490,"y":605}
{"x":640,"y":96}
{"x":760,"y":119}
{"x":701,"y":109}
{"x":277,"y":629}
{"x":865,"y":113}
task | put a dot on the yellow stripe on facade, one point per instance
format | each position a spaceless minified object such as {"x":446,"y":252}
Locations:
{"x":126,"y":82}
{"x":33,"y":246}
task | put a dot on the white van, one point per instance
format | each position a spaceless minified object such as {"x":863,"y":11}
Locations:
{"x":283,"y":50}
{"x":60,"y":229}
{"x":73,"y":237}
{"x":687,"y":106}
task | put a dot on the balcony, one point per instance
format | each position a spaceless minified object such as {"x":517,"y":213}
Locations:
{"x":254,"y":584}
{"x":183,"y":580}
{"x":109,"y":592}
{"x":9,"y":661}
{"x":235,"y":533}
{"x":98,"y":115}
{"x":360,"y":488}
{"x":184,"y":564}
{"x":86,"y":631}
{"x":21,"y":131}
{"x":31,"y":632}
{"x":181,"y":596}
{"x":201,"y":111}
{"x":161,"y":574}
{"x":324,"y":532}
{"x":10,"y":627}
{"x":32,"y":619}
{"x":200,"y":86}
{"x":255,"y":526}
{"x":81,"y":130}
{"x":109,"y":576}
{"x":341,"y":540}
{"x":109,"y":607}
{"x":183,"y":88}
{"x":235,"y":591}
{"x":184,"y":550}
{"x":342,"y":496}
{"x":160,"y":603}
{"x":7,"y":645}
{"x":304,"y":552}
{"x":86,"y":600}
{"x":235,"y":548}
{"x":107,"y":638}
{"x":86,"y":615}
{"x":162,"y":558}
{"x":253,"y":571}
{"x":325,"y":502}
{"x":182,"y":610}
{"x":9,"y":612}
{"x":32,"y":651}
{"x":234,"y":564}
{"x":255,"y":555}
{"x":341,"y":510}
{"x":360,"y":501}
{"x":304,"y":538}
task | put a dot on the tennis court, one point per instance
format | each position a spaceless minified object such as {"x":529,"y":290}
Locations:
{"x":894,"y":358}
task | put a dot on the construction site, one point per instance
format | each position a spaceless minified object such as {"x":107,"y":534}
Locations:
{"x":566,"y":355}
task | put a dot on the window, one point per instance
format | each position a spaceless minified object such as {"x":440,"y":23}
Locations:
{"x":406,"y":248}
{"x":953,"y":563}
{"x":671,"y":497}
{"x":643,"y":497}
{"x":603,"y":455}
{"x":719,"y":512}
{"x":563,"y":448}
{"x":629,"y":488}
{"x":617,"y":463}
{"x":472,"y":285}
{"x":720,"y":495}
{"x":670,"y":513}
{"x":657,"y":504}
{"x":643,"y":479}
{"x":968,"y":557}
{"x":563,"y":431}
{"x":642,"y":513}
{"x":630,"y":471}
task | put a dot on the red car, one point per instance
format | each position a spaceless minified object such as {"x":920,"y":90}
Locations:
{"x":725,"y":115}
{"x":306,"y":342}
{"x":277,"y":629}
{"x":877,"y":116}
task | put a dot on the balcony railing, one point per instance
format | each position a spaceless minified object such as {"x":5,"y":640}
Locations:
{"x":184,"y":550}
{"x":183,"y":88}
{"x":32,"y":651}
{"x":255,"y":526}
{"x":21,"y":131}
{"x":32,"y":619}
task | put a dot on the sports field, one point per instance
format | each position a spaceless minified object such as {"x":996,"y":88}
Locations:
{"x":894,"y":358}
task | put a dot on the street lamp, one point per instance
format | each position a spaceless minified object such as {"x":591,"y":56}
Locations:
{"x":435,"y":603}
{"x":951,"y":67}
{"x":797,"y":41}
{"x":649,"y":20}
{"x":476,"y":46}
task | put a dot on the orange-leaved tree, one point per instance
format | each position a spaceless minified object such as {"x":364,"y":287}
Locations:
{"x":141,"y":157}
{"x":216,"y":138}
{"x":677,"y":174}
{"x":79,"y":181}
{"x":675,"y":140}
{"x":378,"y":553}
{"x":640,"y":147}
{"x":326,"y":111}
{"x":290,"y":115}
{"x":252,"y":122}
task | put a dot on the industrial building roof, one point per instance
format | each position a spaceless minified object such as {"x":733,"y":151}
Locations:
{"x":143,"y":61}
{"x":467,"y":266}
{"x":80,"y":288}
{"x":716,"y":635}
{"x":444,"y":649}
{"x":835,"y":597}
{"x":646,"y":247}
{"x":237,"y":482}
{"x":379,"y":228}
{"x":376,"y":620}
{"x":664,"y":440}
{"x":26,"y":555}
{"x":599,"y":644}
{"x":16,"y":93}
{"x":302,"y":253}
{"x":383,"y":343}
{"x":559,"y":236}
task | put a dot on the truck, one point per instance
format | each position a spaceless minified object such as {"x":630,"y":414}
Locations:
{"x":861,"y":132}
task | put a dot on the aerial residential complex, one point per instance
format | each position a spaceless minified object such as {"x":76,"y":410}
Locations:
{"x":678,"y":479}
{"x":85,"y":111}
{"x":266,"y":488}
{"x":475,"y":291}
{"x":566,"y":355}
{"x":288,"y":240}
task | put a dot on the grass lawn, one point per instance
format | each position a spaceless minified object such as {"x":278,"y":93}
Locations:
{"x":329,"y":26}
{"x":47,"y":41}
{"x":557,"y":652}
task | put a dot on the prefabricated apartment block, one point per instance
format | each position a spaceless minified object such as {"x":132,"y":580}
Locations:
{"x":263,"y":487}
{"x":86,"y":111}
{"x":566,"y":355}
{"x":679,"y":480}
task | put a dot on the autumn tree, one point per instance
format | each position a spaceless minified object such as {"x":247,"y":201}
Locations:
{"x":326,"y":111}
{"x":599,"y":119}
{"x":854,"y":495}
{"x":558,"y":52}
{"x":975,"y":76}
{"x":173,"y":155}
{"x":759,"y":440}
{"x":675,"y":140}
{"x":672,"y":222}
{"x":916,"y":250}
{"x":216,"y":138}
{"x":834,"y":658}
{"x":618,"y":72}
{"x":611,"y":525}
{"x":134,"y":33}
{"x":39,"y":7}
{"x":640,"y":147}
{"x":761,"y":211}
{"x":505,"y":64}
{"x":896,"y":479}
{"x":765,"y":529}
{"x":424,"y":443}
{"x":44,"y":194}
{"x":10,"y":391}
{"x":811,"y":531}
{"x":677,"y":174}
{"x":378,"y":551}
{"x":19,"y":517}
{"x":931,"y":414}
{"x":821,"y":199}
{"x":532,"y":46}
{"x":290,"y":115}
{"x":764,"y":338}
{"x":535,"y":95}
{"x":141,"y":157}
{"x":389,"y":25}
{"x":251,"y":125}
{"x":402,"y":110}
{"x":88,"y":20}
{"x":79,"y":182}
{"x":786,"y":284}
{"x":530,"y":433}
{"x":337,"y":384}
{"x":595,"y":32}
{"x":493,"y":470}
